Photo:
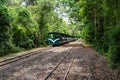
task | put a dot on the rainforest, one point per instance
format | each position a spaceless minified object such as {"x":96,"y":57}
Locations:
{"x":24,"y":24}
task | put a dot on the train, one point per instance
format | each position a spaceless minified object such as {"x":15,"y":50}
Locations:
{"x":56,"y":38}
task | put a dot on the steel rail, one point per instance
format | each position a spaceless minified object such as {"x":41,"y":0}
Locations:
{"x":14,"y":59}
{"x":56,"y":66}
{"x":67,"y":72}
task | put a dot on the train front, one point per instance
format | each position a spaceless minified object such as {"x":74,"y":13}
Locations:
{"x":53,"y":39}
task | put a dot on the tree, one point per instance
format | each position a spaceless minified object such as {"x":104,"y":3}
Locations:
{"x":26,"y":28}
{"x":5,"y":36}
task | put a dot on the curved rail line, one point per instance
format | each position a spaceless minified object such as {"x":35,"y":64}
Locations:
{"x":14,"y":59}
{"x":59,"y":64}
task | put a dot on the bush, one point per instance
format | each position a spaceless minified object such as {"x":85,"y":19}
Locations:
{"x":88,"y":34}
{"x":114,"y":49}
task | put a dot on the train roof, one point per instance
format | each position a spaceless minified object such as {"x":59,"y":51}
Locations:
{"x":61,"y":34}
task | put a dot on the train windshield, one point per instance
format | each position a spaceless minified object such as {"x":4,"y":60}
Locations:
{"x":53,"y":36}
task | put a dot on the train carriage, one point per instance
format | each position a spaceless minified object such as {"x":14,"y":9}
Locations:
{"x":55,"y":38}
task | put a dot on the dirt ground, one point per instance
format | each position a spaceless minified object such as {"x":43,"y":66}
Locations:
{"x":98,"y":65}
{"x":87,"y":65}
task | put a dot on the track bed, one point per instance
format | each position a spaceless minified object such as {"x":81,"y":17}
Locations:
{"x":75,"y":62}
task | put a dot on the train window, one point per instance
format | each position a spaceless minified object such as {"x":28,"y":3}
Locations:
{"x":50,"y":36}
{"x":56,"y":36}
{"x":53,"y":36}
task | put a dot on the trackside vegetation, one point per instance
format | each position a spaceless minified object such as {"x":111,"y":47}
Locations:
{"x":100,"y":26}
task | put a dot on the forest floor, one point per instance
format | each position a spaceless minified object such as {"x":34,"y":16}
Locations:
{"x":87,"y":65}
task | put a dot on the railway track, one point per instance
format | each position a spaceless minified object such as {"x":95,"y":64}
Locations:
{"x":59,"y":63}
{"x":67,"y":72}
{"x":17,"y":58}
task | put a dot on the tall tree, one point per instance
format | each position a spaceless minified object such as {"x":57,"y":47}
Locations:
{"x":5,"y":28}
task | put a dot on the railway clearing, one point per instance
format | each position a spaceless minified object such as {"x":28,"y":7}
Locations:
{"x":73,"y":61}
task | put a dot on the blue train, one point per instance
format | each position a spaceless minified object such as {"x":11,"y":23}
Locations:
{"x":55,"y":38}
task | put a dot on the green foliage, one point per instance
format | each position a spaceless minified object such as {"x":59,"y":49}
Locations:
{"x":88,"y":34}
{"x":101,"y":29}
{"x":4,"y":29}
{"x":114,"y":49}
{"x":3,"y":1}
{"x":6,"y":44}
{"x":25,"y":27}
